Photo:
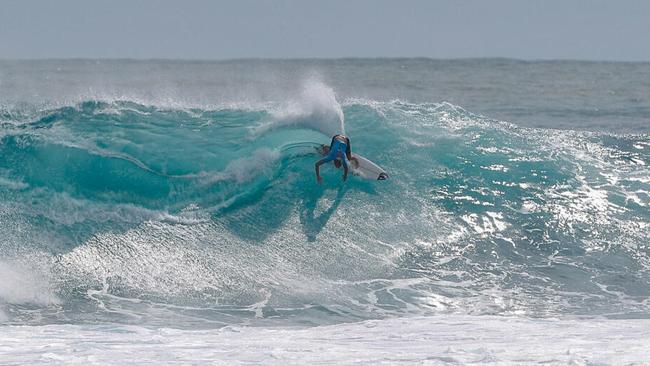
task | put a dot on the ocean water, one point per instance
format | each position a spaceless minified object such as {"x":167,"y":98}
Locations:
{"x":167,"y":212}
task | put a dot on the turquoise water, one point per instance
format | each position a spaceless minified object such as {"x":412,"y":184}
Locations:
{"x":143,"y":198}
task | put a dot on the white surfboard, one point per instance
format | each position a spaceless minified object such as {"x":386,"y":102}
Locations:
{"x":363,"y":167}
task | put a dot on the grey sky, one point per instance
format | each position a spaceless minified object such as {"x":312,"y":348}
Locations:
{"x":552,"y":29}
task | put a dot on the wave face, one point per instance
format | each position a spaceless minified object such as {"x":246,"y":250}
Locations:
{"x":119,"y":211}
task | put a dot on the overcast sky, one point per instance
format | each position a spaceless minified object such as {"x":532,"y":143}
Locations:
{"x":193,"y":29}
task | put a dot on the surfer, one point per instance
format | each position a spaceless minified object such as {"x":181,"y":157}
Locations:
{"x":339,"y":151}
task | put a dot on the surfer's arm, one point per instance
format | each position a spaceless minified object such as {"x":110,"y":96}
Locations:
{"x":318,"y":178}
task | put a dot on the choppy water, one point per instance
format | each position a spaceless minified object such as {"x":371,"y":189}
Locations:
{"x":182,"y":194}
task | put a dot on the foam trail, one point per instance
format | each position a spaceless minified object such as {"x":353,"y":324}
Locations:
{"x":244,"y":169}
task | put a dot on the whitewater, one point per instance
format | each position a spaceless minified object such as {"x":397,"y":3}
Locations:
{"x":167,"y":212}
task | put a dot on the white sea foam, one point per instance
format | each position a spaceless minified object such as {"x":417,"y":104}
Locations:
{"x":440,"y":340}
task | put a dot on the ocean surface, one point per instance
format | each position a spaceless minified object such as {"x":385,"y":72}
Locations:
{"x":165,"y":211}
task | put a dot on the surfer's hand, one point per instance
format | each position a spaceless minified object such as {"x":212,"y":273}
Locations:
{"x":319,"y":180}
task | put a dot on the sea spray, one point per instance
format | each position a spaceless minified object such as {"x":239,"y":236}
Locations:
{"x":316,"y":107}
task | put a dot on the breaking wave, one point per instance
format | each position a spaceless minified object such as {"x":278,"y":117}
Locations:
{"x":120,"y":211}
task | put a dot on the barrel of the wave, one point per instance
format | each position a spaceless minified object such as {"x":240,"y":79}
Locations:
{"x":361,"y":167}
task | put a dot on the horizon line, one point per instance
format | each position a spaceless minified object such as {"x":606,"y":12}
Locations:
{"x":367,"y":58}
